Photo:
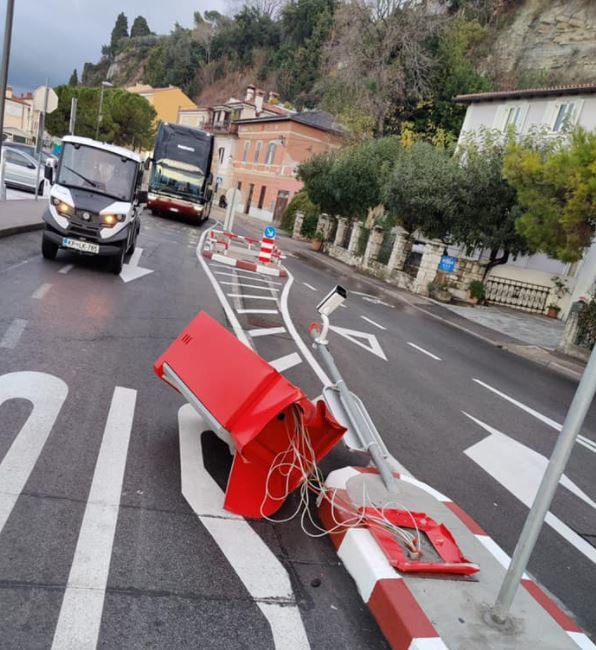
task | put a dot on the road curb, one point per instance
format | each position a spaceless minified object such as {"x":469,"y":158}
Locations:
{"x":400,"y":616}
{"x":246,"y":266}
{"x":16,"y":230}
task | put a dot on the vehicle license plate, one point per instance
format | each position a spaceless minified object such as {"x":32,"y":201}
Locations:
{"x":84,"y":246}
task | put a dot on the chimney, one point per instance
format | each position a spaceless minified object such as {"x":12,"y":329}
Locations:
{"x":250,"y":94}
{"x":8,"y":92}
{"x":259,"y":100}
{"x":273,"y":97}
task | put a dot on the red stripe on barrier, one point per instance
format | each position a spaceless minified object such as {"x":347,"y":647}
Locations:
{"x":464,"y":517}
{"x":398,"y":614}
{"x":567,"y":623}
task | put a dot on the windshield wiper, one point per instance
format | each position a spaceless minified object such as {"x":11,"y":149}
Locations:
{"x":87,"y":180}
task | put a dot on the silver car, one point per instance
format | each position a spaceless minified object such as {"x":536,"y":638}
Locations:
{"x":21,"y":171}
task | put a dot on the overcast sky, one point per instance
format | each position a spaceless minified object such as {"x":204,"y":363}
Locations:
{"x":52,"y":37}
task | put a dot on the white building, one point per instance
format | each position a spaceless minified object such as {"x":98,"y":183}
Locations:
{"x":552,"y":110}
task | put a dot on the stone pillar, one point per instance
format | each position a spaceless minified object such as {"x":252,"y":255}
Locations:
{"x":353,"y":245}
{"x":400,"y":251}
{"x":433,"y":251}
{"x":342,"y":224}
{"x":324,"y":225}
{"x":296,"y":234}
{"x":373,"y":245}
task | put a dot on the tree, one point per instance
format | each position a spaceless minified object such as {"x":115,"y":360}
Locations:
{"x":140,"y":27}
{"x":128,"y":119}
{"x":119,"y":32}
{"x":74,"y":78}
{"x":486,"y":204}
{"x":418,"y":192}
{"x":556,"y":187}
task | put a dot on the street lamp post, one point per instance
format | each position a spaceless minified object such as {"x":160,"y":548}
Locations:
{"x":104,"y":84}
{"x":4,"y":81}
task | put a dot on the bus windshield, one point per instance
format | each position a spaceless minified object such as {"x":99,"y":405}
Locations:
{"x":97,"y":170}
{"x":178,"y":178}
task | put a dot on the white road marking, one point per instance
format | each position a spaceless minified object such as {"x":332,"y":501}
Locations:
{"x":372,"y":322}
{"x":581,"y":440}
{"x":373,"y":299}
{"x":430,"y":354}
{"x":40,"y":293}
{"x":47,"y":394}
{"x":309,"y":286}
{"x":249,"y":286}
{"x":356,"y":337}
{"x":132,"y":270}
{"x":13,"y":334}
{"x":15,"y":266}
{"x":231,"y":316}
{"x":244,"y":276}
{"x":66,"y":269}
{"x":304,"y":349}
{"x":250,"y":297}
{"x":257,"y":311}
{"x":286,"y":362}
{"x":82,"y":605}
{"x":263,"y":575}
{"x":266,"y":331}
{"x":519,"y":469}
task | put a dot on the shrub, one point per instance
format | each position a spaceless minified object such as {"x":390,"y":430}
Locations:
{"x":477,"y":289}
{"x":301,"y":203}
{"x":309,"y":225}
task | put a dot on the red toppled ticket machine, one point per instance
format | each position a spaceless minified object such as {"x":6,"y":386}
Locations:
{"x":250,"y":404}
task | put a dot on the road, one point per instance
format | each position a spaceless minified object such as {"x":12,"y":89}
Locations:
{"x":135,"y":567}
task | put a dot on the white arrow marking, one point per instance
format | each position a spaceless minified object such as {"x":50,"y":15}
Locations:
{"x":47,"y":394}
{"x":519,"y":469}
{"x":132,"y":270}
{"x":258,"y":568}
{"x":373,"y":299}
{"x":355,"y":336}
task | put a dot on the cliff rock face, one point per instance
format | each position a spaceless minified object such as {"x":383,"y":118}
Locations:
{"x":127,"y":68}
{"x":556,"y":37}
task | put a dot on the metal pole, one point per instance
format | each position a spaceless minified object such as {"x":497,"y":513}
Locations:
{"x":99,"y":115}
{"x":571,"y":427}
{"x":4,"y":75}
{"x":42,"y":126}
{"x":356,"y":419}
{"x":73,"y":115}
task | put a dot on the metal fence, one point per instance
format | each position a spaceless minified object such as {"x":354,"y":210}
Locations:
{"x":516,"y":294}
{"x":347,"y":235}
{"x":362,"y":241}
{"x":386,"y":248}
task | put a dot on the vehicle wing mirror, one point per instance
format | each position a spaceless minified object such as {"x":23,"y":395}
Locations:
{"x":48,"y":173}
{"x":31,"y":165}
{"x":147,"y":164}
{"x":142,"y":196}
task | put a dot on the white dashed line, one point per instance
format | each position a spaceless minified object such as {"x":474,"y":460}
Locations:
{"x":372,"y":322}
{"x":13,"y":334}
{"x":309,"y":286}
{"x":266,"y":331}
{"x":40,"y":293}
{"x":249,"y":286}
{"x":430,"y":354}
{"x":286,"y":362}
{"x":243,"y":276}
{"x":66,"y":269}
{"x":257,"y":311}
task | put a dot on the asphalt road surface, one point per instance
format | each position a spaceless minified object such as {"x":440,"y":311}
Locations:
{"x":96,"y":539}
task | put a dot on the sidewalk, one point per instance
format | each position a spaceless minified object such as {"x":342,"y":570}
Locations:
{"x":21,"y":216}
{"x":531,"y":337}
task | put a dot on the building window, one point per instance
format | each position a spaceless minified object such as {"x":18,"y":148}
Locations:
{"x":239,"y":185}
{"x":270,"y":153}
{"x":512,"y":117}
{"x":565,"y":114}
{"x":245,"y":152}
{"x":221,"y":152}
{"x":262,"y":197}
{"x":258,"y":151}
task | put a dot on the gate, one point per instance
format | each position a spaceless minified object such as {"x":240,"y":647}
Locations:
{"x":516,"y":294}
{"x":345,"y":242}
{"x":386,"y":248}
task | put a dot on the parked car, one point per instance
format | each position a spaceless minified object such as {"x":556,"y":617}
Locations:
{"x":21,"y":170}
{"x":29,"y":149}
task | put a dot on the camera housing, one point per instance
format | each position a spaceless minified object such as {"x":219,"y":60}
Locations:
{"x":332,"y":301}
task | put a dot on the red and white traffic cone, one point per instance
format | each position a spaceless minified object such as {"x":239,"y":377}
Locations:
{"x":266,"y":251}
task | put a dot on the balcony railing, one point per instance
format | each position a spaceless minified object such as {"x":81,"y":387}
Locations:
{"x":230,"y":128}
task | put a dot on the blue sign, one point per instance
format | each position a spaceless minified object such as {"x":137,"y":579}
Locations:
{"x":447,"y":264}
{"x":270,"y":232}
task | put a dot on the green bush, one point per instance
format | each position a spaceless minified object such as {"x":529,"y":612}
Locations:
{"x":309,"y":225}
{"x":301,"y":203}
{"x":477,"y":289}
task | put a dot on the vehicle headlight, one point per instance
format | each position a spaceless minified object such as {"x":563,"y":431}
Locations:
{"x":151,"y":196}
{"x":199,"y":208}
{"x":63,"y":208}
{"x":111,"y":219}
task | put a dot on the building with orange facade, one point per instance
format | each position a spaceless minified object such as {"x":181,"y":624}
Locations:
{"x":268,"y":153}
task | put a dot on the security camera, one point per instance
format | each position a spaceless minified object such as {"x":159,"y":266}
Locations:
{"x":332,"y":301}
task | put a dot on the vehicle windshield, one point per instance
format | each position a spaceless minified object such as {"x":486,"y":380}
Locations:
{"x":97,"y":170}
{"x":178,"y":178}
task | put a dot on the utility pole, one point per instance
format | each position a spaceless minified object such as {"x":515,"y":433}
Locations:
{"x":104,"y":84}
{"x":73,"y":115}
{"x":42,"y":127}
{"x":4,"y":81}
